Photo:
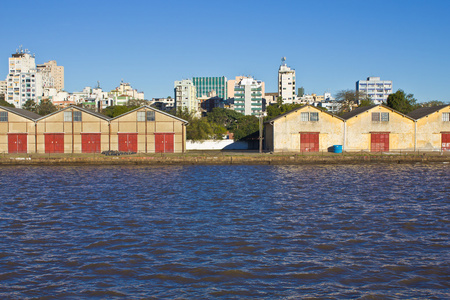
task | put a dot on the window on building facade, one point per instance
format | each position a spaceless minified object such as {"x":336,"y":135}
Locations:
{"x":304,"y":116}
{"x":376,"y":117}
{"x":77,"y":116}
{"x":141,"y":116}
{"x":67,"y":116}
{"x":383,"y":117}
{"x":150,"y":116}
{"x":3,"y":116}
{"x":446,"y":117}
{"x":314,"y":116}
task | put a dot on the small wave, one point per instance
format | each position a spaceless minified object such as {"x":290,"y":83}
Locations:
{"x":93,"y":266}
{"x":104,"y":294}
{"x":413,"y":281}
{"x":237,"y":274}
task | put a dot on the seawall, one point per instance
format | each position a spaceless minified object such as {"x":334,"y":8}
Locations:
{"x":221,"y":158}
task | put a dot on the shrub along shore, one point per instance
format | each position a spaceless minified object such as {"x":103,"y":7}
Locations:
{"x":225,"y":158}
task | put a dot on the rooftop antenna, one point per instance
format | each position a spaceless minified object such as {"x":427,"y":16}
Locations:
{"x":98,"y":84}
{"x":283,"y":60}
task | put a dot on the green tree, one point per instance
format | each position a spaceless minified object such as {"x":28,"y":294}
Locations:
{"x":433,"y":103}
{"x":279,"y":109}
{"x":4,"y":103}
{"x":30,"y":105}
{"x":224,"y":117}
{"x":349,"y":99}
{"x":117,"y":110}
{"x":402,"y":102}
{"x":45,"y":107}
{"x":365,"y":102}
{"x":246,"y":126}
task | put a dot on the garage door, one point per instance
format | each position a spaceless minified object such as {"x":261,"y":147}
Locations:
{"x":309,"y":141}
{"x":128,"y":142}
{"x":90,"y":142}
{"x":164,"y":142}
{"x":446,"y":141}
{"x":54,"y":143}
{"x":17,"y":143}
{"x":379,"y":141}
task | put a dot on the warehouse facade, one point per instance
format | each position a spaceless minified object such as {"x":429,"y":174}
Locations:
{"x":78,"y":130}
{"x":306,"y":129}
{"x":17,"y":130}
{"x":432,"y":128}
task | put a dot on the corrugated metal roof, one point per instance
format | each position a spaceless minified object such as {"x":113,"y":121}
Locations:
{"x":425,"y":111}
{"x":22,"y":112}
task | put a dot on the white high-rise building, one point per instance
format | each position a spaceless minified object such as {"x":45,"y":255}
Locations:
{"x":53,"y":75}
{"x":286,"y":82}
{"x":186,"y":96}
{"x":248,"y":95}
{"x":378,"y":90}
{"x":23,"y":81}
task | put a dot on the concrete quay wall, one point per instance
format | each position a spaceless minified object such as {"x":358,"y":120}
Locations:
{"x":222,"y":159}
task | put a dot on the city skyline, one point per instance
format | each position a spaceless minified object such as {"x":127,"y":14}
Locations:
{"x":330,"y":44}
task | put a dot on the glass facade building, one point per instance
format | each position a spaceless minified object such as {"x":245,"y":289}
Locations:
{"x":205,"y":85}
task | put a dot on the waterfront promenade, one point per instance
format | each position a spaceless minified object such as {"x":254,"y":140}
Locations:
{"x":226,"y":158}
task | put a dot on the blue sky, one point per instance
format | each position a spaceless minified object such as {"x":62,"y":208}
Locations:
{"x":330,"y":44}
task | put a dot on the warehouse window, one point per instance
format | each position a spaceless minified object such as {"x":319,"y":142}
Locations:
{"x":141,"y":116}
{"x":77,"y":116}
{"x":3,"y":116}
{"x":376,"y":117}
{"x":446,"y":117}
{"x":383,"y":117}
{"x":150,"y":116}
{"x":314,"y":116}
{"x":304,"y":116}
{"x":67,"y":116}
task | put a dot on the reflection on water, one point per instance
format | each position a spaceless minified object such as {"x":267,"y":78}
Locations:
{"x":369,"y":231}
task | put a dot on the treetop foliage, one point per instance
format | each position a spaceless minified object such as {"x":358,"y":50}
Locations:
{"x":402,"y":102}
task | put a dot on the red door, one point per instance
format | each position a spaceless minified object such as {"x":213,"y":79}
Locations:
{"x":90,"y":142}
{"x":17,"y":143}
{"x":128,"y":142}
{"x":446,"y":141}
{"x":379,"y":142}
{"x":164,"y":142}
{"x":54,"y":143}
{"x":309,"y":141}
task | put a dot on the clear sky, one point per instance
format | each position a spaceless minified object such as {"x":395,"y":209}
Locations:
{"x":150,"y":44}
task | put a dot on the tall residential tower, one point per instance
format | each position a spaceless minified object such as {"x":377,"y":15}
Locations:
{"x":23,"y":81}
{"x":286,"y":82}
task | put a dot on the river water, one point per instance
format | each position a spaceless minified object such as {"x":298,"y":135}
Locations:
{"x":230,"y":232}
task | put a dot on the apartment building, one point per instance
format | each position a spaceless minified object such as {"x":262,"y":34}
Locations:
{"x":186,"y":96}
{"x":378,"y":90}
{"x":204,"y":85}
{"x":248,"y":95}
{"x":53,"y":75}
{"x":23,"y":81}
{"x":286,"y":82}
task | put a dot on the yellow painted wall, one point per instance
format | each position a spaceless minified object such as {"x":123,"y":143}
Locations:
{"x":429,"y":130}
{"x":72,"y":130}
{"x":285,"y":134}
{"x":146,"y":129}
{"x":17,"y":124}
{"x":359,"y":128}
